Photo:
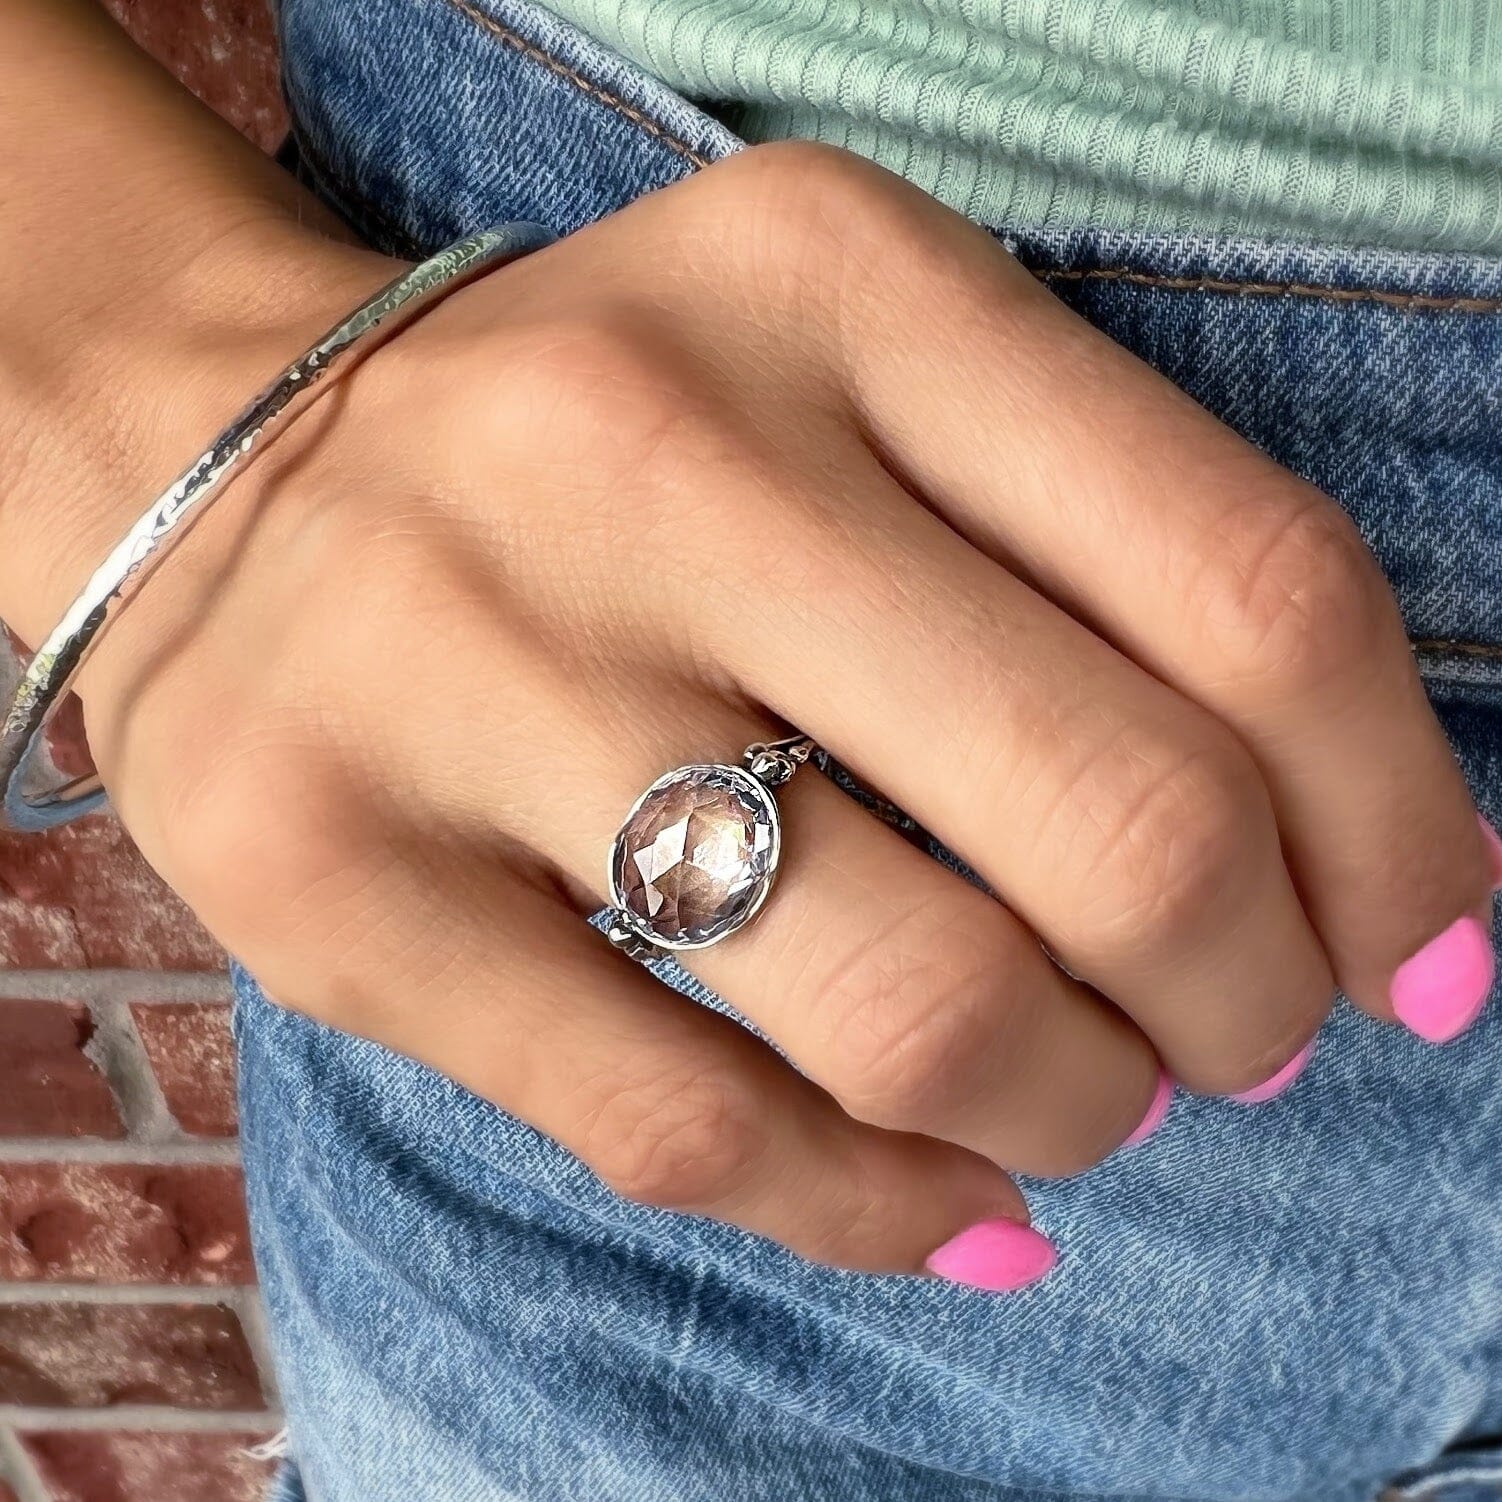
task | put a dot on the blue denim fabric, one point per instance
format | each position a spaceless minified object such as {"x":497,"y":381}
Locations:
{"x":1296,"y":1303}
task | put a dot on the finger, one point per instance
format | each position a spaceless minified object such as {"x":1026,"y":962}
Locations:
{"x":918,"y":1001}
{"x":671,"y":1104}
{"x":1120,"y":821}
{"x":924,"y":1004}
{"x":1223,"y":575}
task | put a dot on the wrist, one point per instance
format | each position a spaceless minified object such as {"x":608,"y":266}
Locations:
{"x":112,"y":395}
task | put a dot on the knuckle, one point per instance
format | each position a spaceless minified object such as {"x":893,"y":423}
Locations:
{"x":797,"y":180}
{"x":601,"y":366}
{"x":812,"y":220}
{"x":914,"y":1011}
{"x":1306,"y":599}
{"x":1168,"y":849}
{"x":255,"y":828}
{"x":679,"y":1144}
{"x":403,"y":591}
{"x":279,"y":853}
{"x":633,"y":411}
{"x":411,"y":582}
{"x":385,"y":551}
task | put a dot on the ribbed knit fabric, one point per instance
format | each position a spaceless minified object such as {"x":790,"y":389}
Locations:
{"x":1375,"y":122}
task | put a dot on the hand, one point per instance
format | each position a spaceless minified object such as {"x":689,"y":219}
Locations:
{"x":791,"y":444}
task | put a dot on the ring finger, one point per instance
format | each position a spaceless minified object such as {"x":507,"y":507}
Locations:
{"x":919,"y":1002}
{"x":1124,"y":823}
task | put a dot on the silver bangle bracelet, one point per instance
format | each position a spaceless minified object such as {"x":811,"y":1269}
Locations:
{"x":56,"y":664}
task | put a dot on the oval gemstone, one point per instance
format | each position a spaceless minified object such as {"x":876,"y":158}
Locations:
{"x":696,"y":856}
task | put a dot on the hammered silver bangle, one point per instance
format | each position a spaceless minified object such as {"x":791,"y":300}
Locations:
{"x":56,"y":664}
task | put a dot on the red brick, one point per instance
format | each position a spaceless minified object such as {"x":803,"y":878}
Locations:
{"x":52,"y":1088}
{"x":108,"y":1467}
{"x":189,"y":1046}
{"x":83,"y":897}
{"x":103,"y":1355}
{"x":123,"y":1223}
{"x":67,"y":742}
{"x":222,"y":49}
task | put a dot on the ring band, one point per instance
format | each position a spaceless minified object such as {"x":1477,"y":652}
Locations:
{"x":695,"y":859}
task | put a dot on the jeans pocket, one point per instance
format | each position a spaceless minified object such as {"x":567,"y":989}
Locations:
{"x":1468,"y":1473}
{"x":1462,"y":671}
{"x":1376,"y":376}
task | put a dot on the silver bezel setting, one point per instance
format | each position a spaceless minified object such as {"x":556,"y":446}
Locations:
{"x":751,"y":790}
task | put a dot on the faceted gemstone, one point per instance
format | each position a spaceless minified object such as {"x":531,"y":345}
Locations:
{"x":697,"y":855}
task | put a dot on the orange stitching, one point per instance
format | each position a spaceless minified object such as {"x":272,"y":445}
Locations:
{"x":1413,"y":301}
{"x":1465,"y":648}
{"x":588,"y":86}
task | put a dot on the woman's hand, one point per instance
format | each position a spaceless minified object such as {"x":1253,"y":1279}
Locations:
{"x":791,"y":444}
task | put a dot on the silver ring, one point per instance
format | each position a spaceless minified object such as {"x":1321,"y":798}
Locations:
{"x":695,"y":859}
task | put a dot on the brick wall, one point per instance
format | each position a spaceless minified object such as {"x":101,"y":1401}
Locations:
{"x":132,"y":1355}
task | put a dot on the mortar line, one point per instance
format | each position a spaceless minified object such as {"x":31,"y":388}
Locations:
{"x":20,"y":1469}
{"x":230,"y":1295}
{"x":116,"y":1048}
{"x":133,"y":987}
{"x":189,"y":1152}
{"x":151,"y":1417}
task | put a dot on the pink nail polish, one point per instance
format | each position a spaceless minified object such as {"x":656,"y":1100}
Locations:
{"x":997,"y":1255}
{"x":1156,"y":1111}
{"x":1439,"y":993}
{"x":1279,"y":1082}
{"x":1494,"y":846}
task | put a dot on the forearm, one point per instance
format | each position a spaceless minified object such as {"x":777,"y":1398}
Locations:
{"x":154,"y":267}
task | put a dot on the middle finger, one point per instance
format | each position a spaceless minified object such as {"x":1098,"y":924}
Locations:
{"x":1125,"y":825}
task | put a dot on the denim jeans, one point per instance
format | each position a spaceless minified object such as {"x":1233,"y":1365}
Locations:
{"x":1300,"y":1302}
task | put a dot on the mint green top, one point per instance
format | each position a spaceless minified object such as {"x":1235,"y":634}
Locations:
{"x":1375,"y":122}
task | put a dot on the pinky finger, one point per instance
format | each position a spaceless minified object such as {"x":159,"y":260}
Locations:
{"x":675,"y":1106}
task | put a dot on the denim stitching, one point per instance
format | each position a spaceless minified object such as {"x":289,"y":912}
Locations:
{"x":1412,"y":301}
{"x":1465,"y":648}
{"x":504,"y":34}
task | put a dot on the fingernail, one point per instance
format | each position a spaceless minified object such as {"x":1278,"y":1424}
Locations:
{"x":1494,"y":845}
{"x":997,"y":1255}
{"x":1156,"y":1111}
{"x":1439,"y":993}
{"x":1279,"y":1082}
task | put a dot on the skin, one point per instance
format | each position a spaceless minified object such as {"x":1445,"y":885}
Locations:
{"x":785,"y":444}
